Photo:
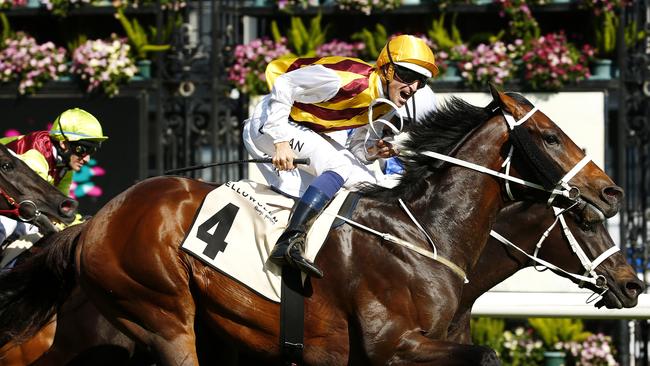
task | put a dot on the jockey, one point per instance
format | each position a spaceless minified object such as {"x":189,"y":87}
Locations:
{"x":313,"y":96}
{"x":55,"y":155}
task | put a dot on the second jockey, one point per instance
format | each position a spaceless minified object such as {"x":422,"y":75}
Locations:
{"x":55,"y":155}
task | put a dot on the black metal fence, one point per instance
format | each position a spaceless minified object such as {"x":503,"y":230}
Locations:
{"x":633,"y":156}
{"x":196,"y":120}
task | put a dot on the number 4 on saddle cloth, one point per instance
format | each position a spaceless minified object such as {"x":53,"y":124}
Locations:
{"x":236,"y":227}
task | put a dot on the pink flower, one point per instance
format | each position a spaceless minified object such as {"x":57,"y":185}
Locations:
{"x":104,"y":63}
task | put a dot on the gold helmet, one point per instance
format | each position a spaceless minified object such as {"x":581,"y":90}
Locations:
{"x":407,"y":51}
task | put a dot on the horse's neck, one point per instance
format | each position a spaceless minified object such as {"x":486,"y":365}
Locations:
{"x":521,"y":224}
{"x":460,"y":205}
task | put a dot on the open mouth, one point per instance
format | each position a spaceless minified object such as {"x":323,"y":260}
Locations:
{"x":404,"y":96}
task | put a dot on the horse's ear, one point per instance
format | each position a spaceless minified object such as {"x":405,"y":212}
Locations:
{"x":504,"y":101}
{"x":495,"y":93}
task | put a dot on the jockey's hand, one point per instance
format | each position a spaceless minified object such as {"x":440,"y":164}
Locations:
{"x":284,"y":155}
{"x":383,"y":149}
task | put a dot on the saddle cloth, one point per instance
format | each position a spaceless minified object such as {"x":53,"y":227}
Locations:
{"x":238,"y":224}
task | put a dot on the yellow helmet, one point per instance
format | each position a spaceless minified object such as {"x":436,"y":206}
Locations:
{"x":410,"y":52}
{"x":76,"y":124}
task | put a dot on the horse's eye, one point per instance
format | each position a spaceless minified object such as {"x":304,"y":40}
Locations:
{"x":551,"y":139}
{"x":6,"y":167}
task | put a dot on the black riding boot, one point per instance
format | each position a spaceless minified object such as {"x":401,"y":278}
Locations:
{"x":290,"y":248}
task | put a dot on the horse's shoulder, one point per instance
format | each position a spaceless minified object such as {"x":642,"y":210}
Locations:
{"x":170,"y":184}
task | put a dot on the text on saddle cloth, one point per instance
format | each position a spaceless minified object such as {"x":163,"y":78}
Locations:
{"x":238,"y":224}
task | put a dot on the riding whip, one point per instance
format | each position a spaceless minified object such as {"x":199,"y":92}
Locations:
{"x":203,"y":166}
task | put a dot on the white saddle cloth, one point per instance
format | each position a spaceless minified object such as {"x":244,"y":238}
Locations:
{"x":238,"y":224}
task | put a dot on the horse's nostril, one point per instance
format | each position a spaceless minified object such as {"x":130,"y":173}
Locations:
{"x":613,"y":193}
{"x":68,"y":207}
{"x":634,"y":288}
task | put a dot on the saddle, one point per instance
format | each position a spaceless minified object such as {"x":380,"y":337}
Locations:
{"x":237,"y":225}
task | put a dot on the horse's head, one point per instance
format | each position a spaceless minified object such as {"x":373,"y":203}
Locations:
{"x":590,"y":251}
{"x":544,"y":154}
{"x":27,"y":197}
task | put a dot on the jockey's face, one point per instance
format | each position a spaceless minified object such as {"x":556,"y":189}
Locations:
{"x":402,"y":87}
{"x":77,"y":159}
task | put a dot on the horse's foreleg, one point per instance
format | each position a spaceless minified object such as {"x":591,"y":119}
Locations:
{"x":161,"y":319}
{"x":172,"y":343}
{"x":416,"y":349}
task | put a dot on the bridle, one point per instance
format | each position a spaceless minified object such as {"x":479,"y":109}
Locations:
{"x":562,"y":187}
{"x":16,"y":206}
{"x":589,"y":276}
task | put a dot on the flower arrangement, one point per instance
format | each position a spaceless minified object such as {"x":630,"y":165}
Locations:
{"x":528,"y":346}
{"x":367,"y":6}
{"x":553,"y":62}
{"x":23,"y":59}
{"x":485,"y":63}
{"x":520,"y":348}
{"x":247,"y":73}
{"x":340,"y":48}
{"x":597,"y":350}
{"x":522,"y":24}
{"x":103,"y":64}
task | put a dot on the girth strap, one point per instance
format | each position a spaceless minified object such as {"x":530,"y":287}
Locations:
{"x":292,"y":316}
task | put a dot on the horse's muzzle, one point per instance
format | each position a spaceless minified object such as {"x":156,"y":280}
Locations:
{"x":68,"y":208}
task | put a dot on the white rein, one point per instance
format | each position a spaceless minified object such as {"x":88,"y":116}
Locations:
{"x":590,"y":274}
{"x":562,"y":188}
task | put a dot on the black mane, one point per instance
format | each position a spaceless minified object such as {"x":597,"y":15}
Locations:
{"x":440,"y":131}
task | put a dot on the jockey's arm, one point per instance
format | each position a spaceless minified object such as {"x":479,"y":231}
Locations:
{"x":311,"y":84}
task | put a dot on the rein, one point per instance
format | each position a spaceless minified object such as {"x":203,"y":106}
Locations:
{"x":15,"y":207}
{"x":590,"y":275}
{"x":562,"y":187}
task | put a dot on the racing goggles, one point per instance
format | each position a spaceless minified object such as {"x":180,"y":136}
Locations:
{"x":83,"y":148}
{"x":408,"y":76}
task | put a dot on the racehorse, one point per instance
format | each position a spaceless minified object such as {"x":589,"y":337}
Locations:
{"x":27,"y":197}
{"x":379,"y":302}
{"x":84,"y":331}
{"x":524,"y":225}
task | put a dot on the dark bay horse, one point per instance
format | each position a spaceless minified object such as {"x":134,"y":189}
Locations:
{"x":84,"y":332}
{"x":379,"y":303}
{"x":524,"y":225}
{"x":27,"y":197}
